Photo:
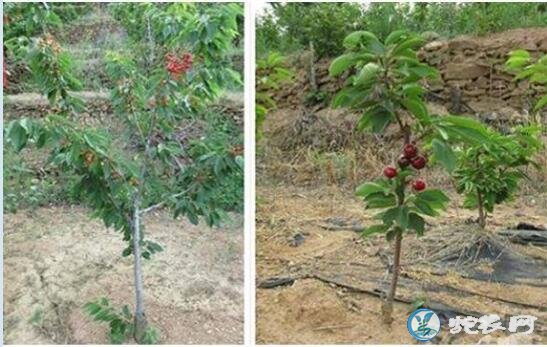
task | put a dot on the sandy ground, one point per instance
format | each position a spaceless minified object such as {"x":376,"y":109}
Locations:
{"x":56,"y":259}
{"x":333,"y":307}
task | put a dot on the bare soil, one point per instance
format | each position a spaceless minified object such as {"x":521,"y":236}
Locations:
{"x":56,"y":259}
{"x":337,"y":272}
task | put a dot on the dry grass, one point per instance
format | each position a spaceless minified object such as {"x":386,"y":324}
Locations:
{"x":323,"y":148}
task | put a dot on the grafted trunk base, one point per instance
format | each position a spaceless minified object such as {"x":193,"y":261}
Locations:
{"x":141,"y":325}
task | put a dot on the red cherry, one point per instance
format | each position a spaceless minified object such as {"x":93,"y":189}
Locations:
{"x":418,"y":185}
{"x":390,"y":172}
{"x":418,"y":162}
{"x":410,"y":151}
{"x":403,"y":161}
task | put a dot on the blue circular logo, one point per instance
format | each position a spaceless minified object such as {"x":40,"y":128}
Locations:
{"x":423,"y":324}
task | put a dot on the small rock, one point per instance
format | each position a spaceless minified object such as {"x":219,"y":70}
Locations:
{"x":297,"y":240}
{"x":464,"y":71}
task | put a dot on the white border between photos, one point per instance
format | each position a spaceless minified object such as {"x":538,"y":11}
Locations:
{"x":250,"y":209}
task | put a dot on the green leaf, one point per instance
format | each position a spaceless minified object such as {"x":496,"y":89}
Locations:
{"x":434,"y":197}
{"x":517,"y":62}
{"x":347,"y":97}
{"x":368,"y":74}
{"x":424,"y":71}
{"x":417,"y":223}
{"x":527,"y":72}
{"x":425,"y":208}
{"x":125,"y":312}
{"x":412,"y":90}
{"x":418,"y":109}
{"x":389,"y":215}
{"x":379,"y":200}
{"x":518,"y":59}
{"x":519,"y":53}
{"x":392,"y":233}
{"x":341,"y":64}
{"x":127,"y":251}
{"x":92,"y":308}
{"x":402,"y":217}
{"x":154,"y":247}
{"x":18,"y":136}
{"x":395,"y":36}
{"x":541,"y":103}
{"x":42,"y":138}
{"x":465,"y":129}
{"x":357,"y":37}
{"x":412,"y":43}
{"x":443,"y":152}
{"x":377,"y":118}
{"x":470,"y":202}
{"x":375,"y":229}
{"x":26,"y":124}
{"x":368,"y":188}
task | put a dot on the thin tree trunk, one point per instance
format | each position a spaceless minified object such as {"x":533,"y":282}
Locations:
{"x":482,"y":216}
{"x":313,"y":80}
{"x":140,"y":318}
{"x":387,"y":307}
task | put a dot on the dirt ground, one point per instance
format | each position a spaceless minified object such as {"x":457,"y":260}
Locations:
{"x":329,"y":303}
{"x":56,"y":259}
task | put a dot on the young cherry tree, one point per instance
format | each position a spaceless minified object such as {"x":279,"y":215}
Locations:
{"x":489,"y":173}
{"x":385,"y":87}
{"x":526,"y":67}
{"x":155,"y":166}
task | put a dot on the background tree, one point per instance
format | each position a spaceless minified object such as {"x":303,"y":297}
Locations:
{"x":301,"y":23}
{"x":488,"y":174}
{"x":290,"y":27}
{"x":271,"y":74}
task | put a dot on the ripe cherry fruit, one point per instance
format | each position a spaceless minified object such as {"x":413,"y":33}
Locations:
{"x":390,"y":172}
{"x":418,"y":185}
{"x":410,"y":151}
{"x":418,"y":162}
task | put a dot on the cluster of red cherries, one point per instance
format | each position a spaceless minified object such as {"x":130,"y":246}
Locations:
{"x":410,"y":157}
{"x":178,"y":65}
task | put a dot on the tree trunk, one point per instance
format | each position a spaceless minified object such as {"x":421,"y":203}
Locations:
{"x":387,"y":307}
{"x":140,"y":319}
{"x":482,"y":215}
{"x":313,"y":80}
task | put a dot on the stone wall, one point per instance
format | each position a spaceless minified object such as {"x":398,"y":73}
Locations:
{"x":472,"y":70}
